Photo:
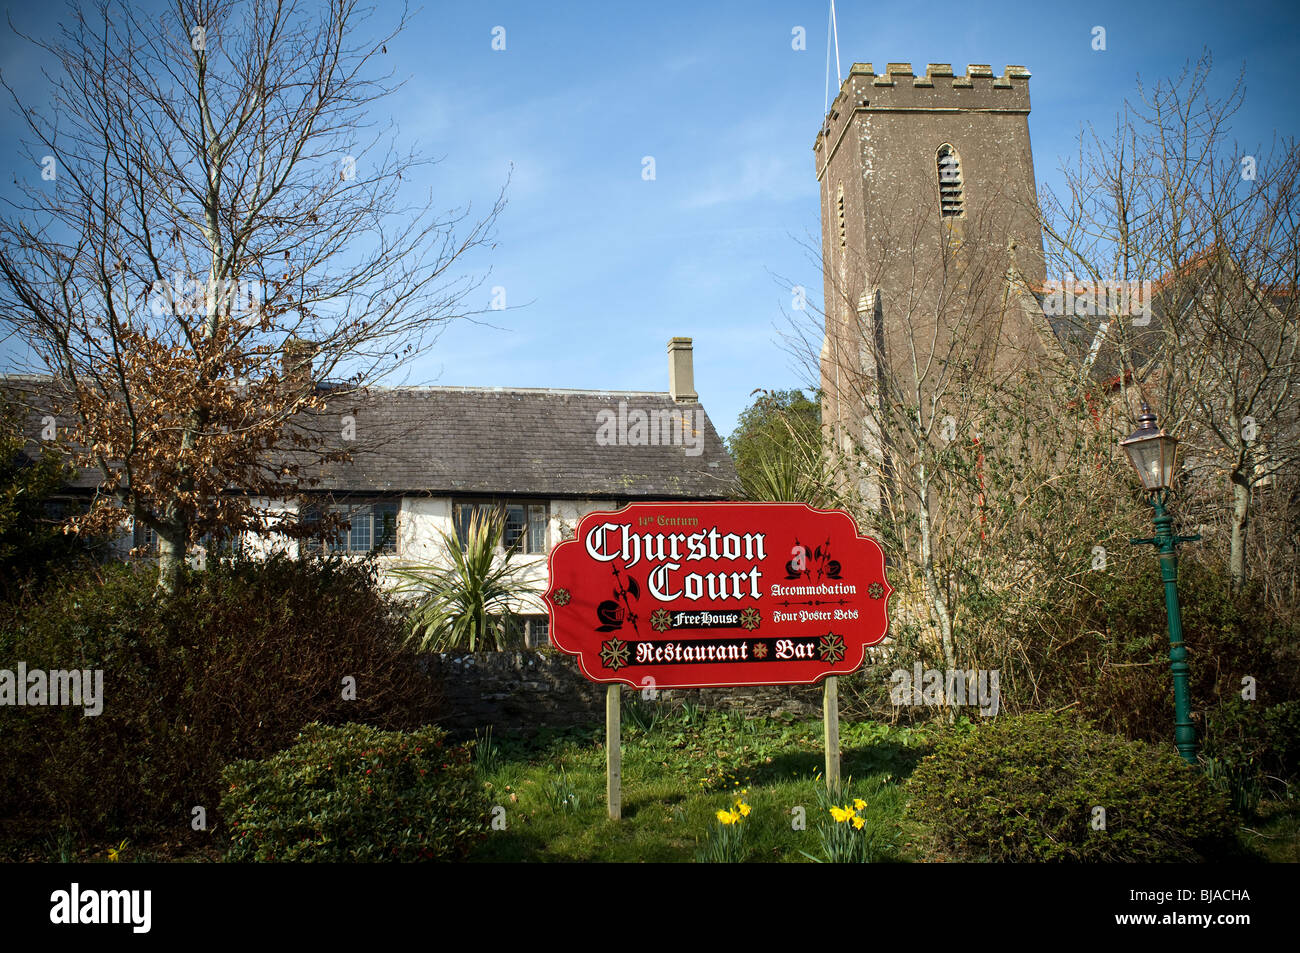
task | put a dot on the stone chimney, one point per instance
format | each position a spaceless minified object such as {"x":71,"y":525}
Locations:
{"x":681,"y":371}
{"x":296,"y":361}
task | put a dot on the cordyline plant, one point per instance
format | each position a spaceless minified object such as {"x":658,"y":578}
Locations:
{"x":470,"y":602}
{"x":207,"y":233}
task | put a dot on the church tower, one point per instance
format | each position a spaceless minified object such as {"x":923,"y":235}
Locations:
{"x":930,"y":238}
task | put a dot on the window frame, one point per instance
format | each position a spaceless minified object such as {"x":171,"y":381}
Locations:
{"x":351,"y":506}
{"x":958,"y":211}
{"x":145,"y":538}
{"x":500,"y":505}
{"x":535,"y":626}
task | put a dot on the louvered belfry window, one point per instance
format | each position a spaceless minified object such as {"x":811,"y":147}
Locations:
{"x":839,"y":209}
{"x":950,"y":186}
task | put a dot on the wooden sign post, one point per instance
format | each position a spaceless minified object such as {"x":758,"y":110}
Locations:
{"x":614,"y":751}
{"x":831,"y":720}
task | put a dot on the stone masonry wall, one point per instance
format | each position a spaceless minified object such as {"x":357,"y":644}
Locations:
{"x":524,"y":691}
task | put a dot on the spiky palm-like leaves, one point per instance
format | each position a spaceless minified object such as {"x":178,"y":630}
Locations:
{"x":468,"y":603}
{"x":789,"y":477}
{"x":793,"y":471}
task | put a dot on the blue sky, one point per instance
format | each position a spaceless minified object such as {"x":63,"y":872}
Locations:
{"x":601,"y":267}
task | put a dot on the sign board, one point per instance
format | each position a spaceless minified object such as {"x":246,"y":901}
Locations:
{"x":689,"y":595}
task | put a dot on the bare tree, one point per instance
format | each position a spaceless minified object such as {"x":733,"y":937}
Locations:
{"x":214,"y":225}
{"x":1167,"y":198}
{"x":963,"y":436}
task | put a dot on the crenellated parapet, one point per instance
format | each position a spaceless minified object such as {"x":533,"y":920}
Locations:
{"x":898,"y":89}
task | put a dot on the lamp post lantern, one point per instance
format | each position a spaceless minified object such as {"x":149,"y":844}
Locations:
{"x":1154,"y":454}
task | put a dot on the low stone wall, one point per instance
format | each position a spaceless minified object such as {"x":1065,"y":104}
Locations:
{"x":524,"y":691}
{"x":515,"y":691}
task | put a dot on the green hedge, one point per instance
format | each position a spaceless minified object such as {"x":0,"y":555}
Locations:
{"x":354,"y":793}
{"x":1024,"y":788}
{"x":231,"y":668}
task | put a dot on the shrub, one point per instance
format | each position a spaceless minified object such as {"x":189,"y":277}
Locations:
{"x":354,"y":793}
{"x":1024,"y":788}
{"x":468,"y":603}
{"x":31,"y":542}
{"x":1106,"y":647}
{"x":231,"y":668}
{"x":1252,"y":750}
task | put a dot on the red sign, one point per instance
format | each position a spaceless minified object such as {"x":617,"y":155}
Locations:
{"x":689,"y":595}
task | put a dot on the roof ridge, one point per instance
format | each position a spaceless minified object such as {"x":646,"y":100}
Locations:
{"x":488,"y":389}
{"x":417,"y":388}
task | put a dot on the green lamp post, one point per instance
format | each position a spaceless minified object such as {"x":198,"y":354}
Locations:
{"x":1154,"y":454}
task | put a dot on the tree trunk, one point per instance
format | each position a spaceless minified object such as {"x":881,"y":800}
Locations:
{"x":171,"y":557}
{"x":932,"y":590}
{"x":1240,"y":521}
{"x":174,"y":535}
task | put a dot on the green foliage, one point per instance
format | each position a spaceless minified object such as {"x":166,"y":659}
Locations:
{"x":855,"y":829}
{"x":31,"y":540}
{"x":1105,"y":645}
{"x":771,"y":421}
{"x":354,"y":793}
{"x":487,"y":755}
{"x":726,"y":841}
{"x":1252,"y":750}
{"x":561,"y":794}
{"x":777,"y":448}
{"x":1024,"y":788}
{"x":689,"y":712}
{"x":469,"y":604}
{"x":232,"y":667}
{"x":668,"y":814}
{"x":640,"y":715}
{"x":725,"y":844}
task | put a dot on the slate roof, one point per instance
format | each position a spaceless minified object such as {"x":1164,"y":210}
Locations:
{"x":1080,"y":334}
{"x":1170,"y":297}
{"x":525,"y":441}
{"x":495,"y":440}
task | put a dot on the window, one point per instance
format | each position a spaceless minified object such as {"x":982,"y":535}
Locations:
{"x":839,"y":208}
{"x":530,"y":631}
{"x":372,"y":527}
{"x":524,"y":523}
{"x":56,"y":511}
{"x":950,"y":185}
{"x":539,"y":631}
{"x":146,"y":540}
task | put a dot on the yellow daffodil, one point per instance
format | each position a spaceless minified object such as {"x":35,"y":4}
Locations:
{"x":744,"y":808}
{"x":859,"y":803}
{"x":724,"y":816}
{"x":857,"y":823}
{"x":840,"y":814}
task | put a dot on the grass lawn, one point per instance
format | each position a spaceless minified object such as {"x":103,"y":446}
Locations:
{"x":679,"y":769}
{"x":1275,"y":833}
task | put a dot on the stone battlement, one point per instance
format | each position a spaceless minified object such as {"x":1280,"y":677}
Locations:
{"x":940,"y":89}
{"x":901,"y":74}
